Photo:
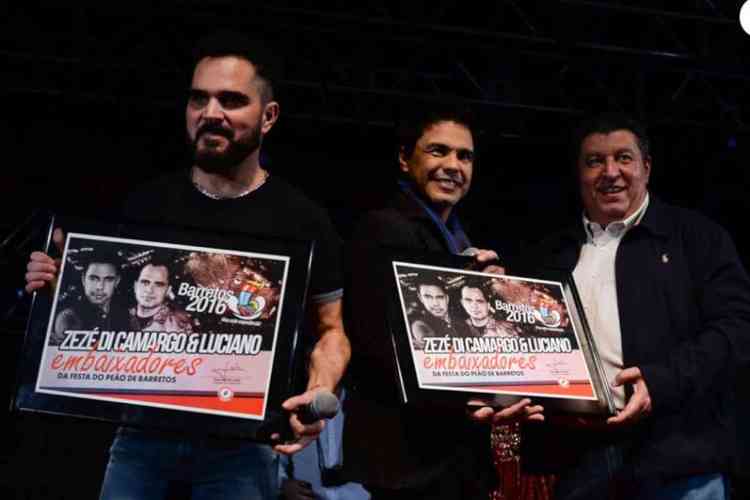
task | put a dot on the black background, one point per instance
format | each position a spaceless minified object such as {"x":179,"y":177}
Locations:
{"x":93,"y":103}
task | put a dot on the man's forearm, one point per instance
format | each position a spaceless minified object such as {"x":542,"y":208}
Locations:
{"x":332,"y":351}
{"x":329,"y":360}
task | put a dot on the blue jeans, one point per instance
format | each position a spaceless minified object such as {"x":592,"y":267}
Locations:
{"x":308,"y":466}
{"x":704,"y":487}
{"x":142,"y":464}
{"x":592,"y":477}
{"x":323,"y":454}
{"x":595,"y":477}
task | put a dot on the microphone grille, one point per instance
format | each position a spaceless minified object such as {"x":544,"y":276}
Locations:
{"x":325,"y":404}
{"x":470,"y":252}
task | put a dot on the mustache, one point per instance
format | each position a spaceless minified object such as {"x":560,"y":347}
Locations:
{"x":211,"y":128}
{"x":441,"y":175}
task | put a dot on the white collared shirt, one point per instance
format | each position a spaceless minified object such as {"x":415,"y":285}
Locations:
{"x":594,"y":276}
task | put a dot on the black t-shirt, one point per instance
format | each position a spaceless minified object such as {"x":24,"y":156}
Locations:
{"x":82,"y":315}
{"x":274,"y":210}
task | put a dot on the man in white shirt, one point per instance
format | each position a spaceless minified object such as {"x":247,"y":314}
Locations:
{"x":668,"y":302}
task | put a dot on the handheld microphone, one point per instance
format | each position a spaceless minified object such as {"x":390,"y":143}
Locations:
{"x":325,"y":405}
{"x":473,"y":252}
{"x":470,"y":252}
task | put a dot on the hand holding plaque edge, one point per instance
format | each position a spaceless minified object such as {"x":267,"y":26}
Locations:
{"x":43,"y":269}
{"x":639,"y":404}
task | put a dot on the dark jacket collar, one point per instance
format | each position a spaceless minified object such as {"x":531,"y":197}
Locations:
{"x":656,"y":218}
{"x":408,"y":206}
{"x":450,"y":231}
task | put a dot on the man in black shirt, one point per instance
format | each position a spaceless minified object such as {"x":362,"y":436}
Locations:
{"x":229,"y":111}
{"x":408,"y":452}
{"x":433,"y":320}
{"x":100,"y":278}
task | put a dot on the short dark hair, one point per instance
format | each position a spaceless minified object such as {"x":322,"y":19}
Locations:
{"x":86,"y":256}
{"x":429,"y":281}
{"x":415,"y":121}
{"x":257,"y":53}
{"x":157,"y":262}
{"x":606,"y":123}
{"x":474,"y":283}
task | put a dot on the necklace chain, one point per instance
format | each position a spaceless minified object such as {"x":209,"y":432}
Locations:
{"x":240,"y":195}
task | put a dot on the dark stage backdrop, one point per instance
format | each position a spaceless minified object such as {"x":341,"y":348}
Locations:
{"x":84,"y":157}
{"x":80,"y":155}
{"x":79,"y":133}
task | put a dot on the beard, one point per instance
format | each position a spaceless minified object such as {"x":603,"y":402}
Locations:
{"x":212,"y":161}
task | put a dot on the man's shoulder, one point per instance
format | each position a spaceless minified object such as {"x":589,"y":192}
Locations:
{"x":291,"y":213}
{"x":158,"y":190}
{"x":563,"y":237}
{"x":686,"y":222}
{"x":159,"y":182}
{"x":387,"y":215}
{"x":292,"y":199}
{"x":557,"y":241}
{"x":687,"y":216}
{"x":386,"y":225}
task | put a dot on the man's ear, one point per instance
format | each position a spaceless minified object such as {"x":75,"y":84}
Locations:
{"x":269,"y":117}
{"x":647,"y":168}
{"x":403,"y":162}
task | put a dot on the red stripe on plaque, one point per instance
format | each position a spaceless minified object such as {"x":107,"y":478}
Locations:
{"x":244,"y":405}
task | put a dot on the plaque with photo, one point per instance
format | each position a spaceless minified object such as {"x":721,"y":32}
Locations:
{"x":167,"y":328}
{"x":500,"y":338}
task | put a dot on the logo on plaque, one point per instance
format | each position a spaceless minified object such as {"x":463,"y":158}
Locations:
{"x":225,"y":394}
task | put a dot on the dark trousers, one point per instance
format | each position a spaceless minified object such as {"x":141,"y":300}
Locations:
{"x":445,"y":487}
{"x":600,"y":475}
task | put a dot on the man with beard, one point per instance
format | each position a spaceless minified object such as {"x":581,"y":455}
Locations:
{"x":95,"y":310}
{"x":479,"y":322}
{"x":409,"y":452}
{"x":230,"y":110}
{"x":151,"y":313}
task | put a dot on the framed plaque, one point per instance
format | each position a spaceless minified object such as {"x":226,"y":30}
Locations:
{"x":167,"y":328}
{"x":462,"y":334}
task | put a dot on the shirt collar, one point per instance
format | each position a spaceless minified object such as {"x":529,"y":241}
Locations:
{"x":616,"y":229}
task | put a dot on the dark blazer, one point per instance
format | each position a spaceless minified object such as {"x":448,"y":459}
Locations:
{"x":387,"y":445}
{"x":684,"y":304}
